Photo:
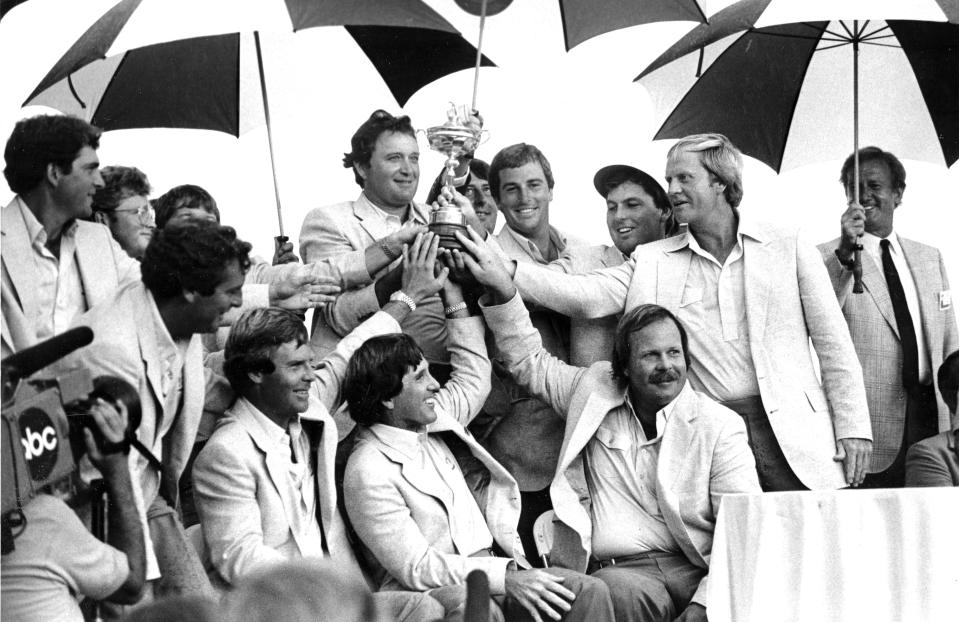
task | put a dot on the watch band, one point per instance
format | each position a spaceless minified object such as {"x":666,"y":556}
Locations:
{"x":459,"y":306}
{"x":389,"y":252}
{"x":399,"y":296}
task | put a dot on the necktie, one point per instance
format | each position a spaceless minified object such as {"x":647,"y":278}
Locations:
{"x":907,"y":332}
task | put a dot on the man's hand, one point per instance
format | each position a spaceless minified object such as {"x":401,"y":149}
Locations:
{"x":854,"y":453}
{"x":303,"y":290}
{"x":421,"y":278}
{"x":853,"y":225}
{"x":111,"y":419}
{"x":404,"y":235}
{"x":694,"y":613}
{"x":485,"y":266}
{"x":284,"y":252}
{"x":447,"y":197}
{"x":538,"y":591}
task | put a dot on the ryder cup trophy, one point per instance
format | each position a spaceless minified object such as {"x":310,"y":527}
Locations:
{"x":459,"y":135}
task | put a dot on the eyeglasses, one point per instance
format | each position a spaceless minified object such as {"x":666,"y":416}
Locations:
{"x":144,"y":213}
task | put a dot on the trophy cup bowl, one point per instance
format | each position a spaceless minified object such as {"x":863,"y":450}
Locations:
{"x":453,"y":139}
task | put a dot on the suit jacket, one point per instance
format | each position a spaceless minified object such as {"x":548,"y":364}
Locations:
{"x":340,"y":234}
{"x":590,"y":340}
{"x":704,"y":452}
{"x":126,"y":345}
{"x":399,"y":513}
{"x":933,"y":461}
{"x":872,"y":324}
{"x":102,"y":263}
{"x":788,"y":301}
{"x":243,"y":495}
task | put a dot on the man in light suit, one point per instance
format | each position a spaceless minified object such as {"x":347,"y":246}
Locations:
{"x":265,"y":480}
{"x":645,"y":459}
{"x":935,"y":460}
{"x":903,"y":324}
{"x":148,"y":335}
{"x":363,"y":239}
{"x":752,"y":296}
{"x":56,"y":265}
{"x":428,"y":502}
{"x":637,"y":212}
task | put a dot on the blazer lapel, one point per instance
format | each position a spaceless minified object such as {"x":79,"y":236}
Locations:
{"x":373,"y":222}
{"x":319,"y":426}
{"x":757,"y":284}
{"x":874,"y":282}
{"x":275,"y":467}
{"x":18,"y":257}
{"x":928,"y":287}
{"x":673,"y":460}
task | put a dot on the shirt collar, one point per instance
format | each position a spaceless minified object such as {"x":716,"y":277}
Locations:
{"x":274,"y":432}
{"x":870,"y":243}
{"x":35,"y":230}
{"x":414,"y":212}
{"x":662,"y":415}
{"x":406,"y":442}
{"x":555,"y":237}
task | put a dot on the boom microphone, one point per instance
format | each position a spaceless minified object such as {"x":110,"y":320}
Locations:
{"x":35,"y":358}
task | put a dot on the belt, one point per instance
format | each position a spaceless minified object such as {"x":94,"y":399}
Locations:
{"x":596,"y":564}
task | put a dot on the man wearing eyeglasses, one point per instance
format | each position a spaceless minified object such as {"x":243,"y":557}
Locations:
{"x":55,"y":265}
{"x":122,"y":205}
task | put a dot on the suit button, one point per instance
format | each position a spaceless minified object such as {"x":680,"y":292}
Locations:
{"x":901,"y":396}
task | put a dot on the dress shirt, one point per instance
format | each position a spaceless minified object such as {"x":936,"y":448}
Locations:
{"x":713,"y":310}
{"x":621,"y":474}
{"x":468,"y":529}
{"x":557,"y":244}
{"x":289,"y":443}
{"x":60,"y":295}
{"x":870,"y":244}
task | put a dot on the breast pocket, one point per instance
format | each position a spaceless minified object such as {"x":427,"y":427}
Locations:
{"x":611,"y":440}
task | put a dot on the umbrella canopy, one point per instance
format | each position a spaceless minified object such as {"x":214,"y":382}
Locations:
{"x":585,"y":19}
{"x":785,"y":94}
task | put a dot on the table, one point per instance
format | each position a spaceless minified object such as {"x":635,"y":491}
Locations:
{"x":846,"y":555}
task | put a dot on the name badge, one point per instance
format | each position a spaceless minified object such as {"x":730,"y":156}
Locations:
{"x":945,"y":299}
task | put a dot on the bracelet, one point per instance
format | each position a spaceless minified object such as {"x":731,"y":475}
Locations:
{"x":459,"y":306}
{"x":389,"y":252}
{"x":399,"y":296}
{"x":846,"y":263}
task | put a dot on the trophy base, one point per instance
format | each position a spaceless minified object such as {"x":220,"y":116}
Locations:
{"x":447,"y":231}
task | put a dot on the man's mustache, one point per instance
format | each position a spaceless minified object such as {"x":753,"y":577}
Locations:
{"x":664,"y":376}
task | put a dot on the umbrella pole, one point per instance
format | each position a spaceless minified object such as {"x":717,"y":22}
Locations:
{"x":857,"y":254}
{"x":280,"y":239}
{"x":479,"y":52}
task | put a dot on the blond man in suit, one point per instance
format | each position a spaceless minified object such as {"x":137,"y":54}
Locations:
{"x":265,"y":480}
{"x":903,"y":324}
{"x":55,"y":264}
{"x":428,"y":502}
{"x":645,"y":459}
{"x":752,"y":296}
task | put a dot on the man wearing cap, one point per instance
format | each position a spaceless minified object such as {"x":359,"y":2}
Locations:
{"x":637,"y":212}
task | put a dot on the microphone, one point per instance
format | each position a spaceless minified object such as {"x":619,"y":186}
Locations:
{"x":35,"y":358}
{"x":477,"y":597}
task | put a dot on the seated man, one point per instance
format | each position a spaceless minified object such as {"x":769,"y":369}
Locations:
{"x":935,"y":460}
{"x":264,"y":481}
{"x":645,"y":459}
{"x":56,"y":560}
{"x":425,"y":518}
{"x":122,"y":205}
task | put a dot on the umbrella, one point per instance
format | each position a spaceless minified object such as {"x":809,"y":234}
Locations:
{"x":200,"y":83}
{"x":584,"y":19}
{"x":784,"y":93}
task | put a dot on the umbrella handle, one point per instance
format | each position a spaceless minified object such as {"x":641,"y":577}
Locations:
{"x":857,"y":270}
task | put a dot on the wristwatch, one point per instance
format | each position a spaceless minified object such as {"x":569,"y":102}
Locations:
{"x":399,"y":296}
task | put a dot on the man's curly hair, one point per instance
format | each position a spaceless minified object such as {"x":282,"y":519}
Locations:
{"x":191,"y":258}
{"x":375,"y":374}
{"x":41,"y":140}
{"x":364,"y":140}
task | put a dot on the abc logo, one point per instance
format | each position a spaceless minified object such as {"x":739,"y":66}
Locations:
{"x":39,"y":438}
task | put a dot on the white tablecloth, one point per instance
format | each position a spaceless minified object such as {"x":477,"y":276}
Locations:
{"x":846,"y":555}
